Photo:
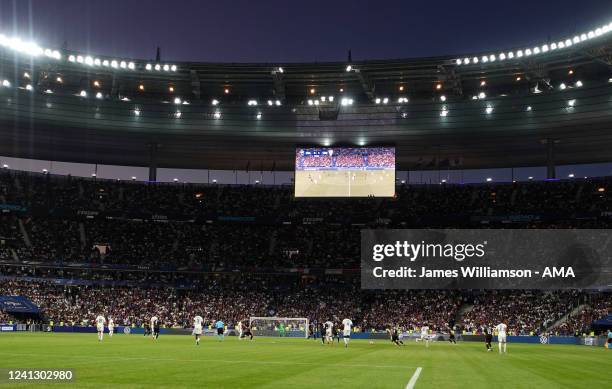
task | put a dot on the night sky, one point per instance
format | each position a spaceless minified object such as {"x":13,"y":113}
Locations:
{"x":286,"y":31}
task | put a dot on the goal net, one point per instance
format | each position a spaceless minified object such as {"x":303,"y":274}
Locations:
{"x":294,"y":327}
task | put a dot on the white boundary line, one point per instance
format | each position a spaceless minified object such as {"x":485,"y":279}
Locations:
{"x":414,"y":378}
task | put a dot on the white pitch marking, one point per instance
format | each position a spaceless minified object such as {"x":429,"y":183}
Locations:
{"x":414,"y":378}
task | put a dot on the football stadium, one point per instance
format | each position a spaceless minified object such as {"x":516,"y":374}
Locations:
{"x":442,"y":219}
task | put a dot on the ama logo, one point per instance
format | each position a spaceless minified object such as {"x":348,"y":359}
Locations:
{"x":554,"y":272}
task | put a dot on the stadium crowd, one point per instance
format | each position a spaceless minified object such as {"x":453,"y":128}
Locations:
{"x":238,"y":298}
{"x":106,"y":236}
{"x":525,"y":311}
{"x":599,"y":306}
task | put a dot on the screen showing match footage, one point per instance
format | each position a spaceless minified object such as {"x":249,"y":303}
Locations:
{"x":345,"y":172}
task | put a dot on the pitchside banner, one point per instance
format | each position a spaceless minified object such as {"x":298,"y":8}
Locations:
{"x":486,"y":259}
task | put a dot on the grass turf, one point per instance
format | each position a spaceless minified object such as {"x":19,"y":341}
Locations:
{"x":133,"y":361}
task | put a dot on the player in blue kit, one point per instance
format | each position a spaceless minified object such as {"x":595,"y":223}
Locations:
{"x":220,"y":326}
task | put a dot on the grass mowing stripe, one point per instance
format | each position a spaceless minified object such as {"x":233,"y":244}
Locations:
{"x":220,"y":361}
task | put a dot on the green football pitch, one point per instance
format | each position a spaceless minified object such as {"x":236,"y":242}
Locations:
{"x":133,"y":361}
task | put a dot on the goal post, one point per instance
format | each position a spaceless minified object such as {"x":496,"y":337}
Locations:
{"x":293,"y":327}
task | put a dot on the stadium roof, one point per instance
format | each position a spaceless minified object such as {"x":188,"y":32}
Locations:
{"x":479,"y":110}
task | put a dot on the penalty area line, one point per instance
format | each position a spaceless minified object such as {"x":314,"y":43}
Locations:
{"x":414,"y":378}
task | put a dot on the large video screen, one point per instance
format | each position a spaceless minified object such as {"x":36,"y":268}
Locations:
{"x":345,"y":172}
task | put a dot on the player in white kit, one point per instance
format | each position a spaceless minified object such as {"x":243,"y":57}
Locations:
{"x":111,"y":327}
{"x":501,"y":329}
{"x":100,"y":322}
{"x":155,"y":327}
{"x":329,"y":332}
{"x":239,"y":328}
{"x":425,"y":334}
{"x":348,"y":325}
{"x":197,"y":328}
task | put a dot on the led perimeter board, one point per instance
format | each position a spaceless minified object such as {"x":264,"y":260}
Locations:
{"x":345,"y":172}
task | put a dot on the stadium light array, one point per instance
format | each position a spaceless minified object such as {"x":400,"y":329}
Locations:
{"x":97,"y":62}
{"x":27,"y":48}
{"x":541,"y":49}
{"x":346,"y":101}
